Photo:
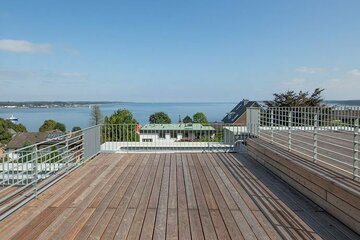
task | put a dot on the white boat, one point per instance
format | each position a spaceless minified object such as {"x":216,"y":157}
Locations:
{"x":13,"y":119}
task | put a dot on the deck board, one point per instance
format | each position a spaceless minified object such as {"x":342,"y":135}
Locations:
{"x":172,"y":196}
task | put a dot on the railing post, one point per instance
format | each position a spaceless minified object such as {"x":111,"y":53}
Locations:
{"x":258,"y":122}
{"x":35,"y":170}
{"x":289,"y":129}
{"x":315,"y":146}
{"x":356,"y":149}
{"x":272,"y":125}
{"x":67,"y":155}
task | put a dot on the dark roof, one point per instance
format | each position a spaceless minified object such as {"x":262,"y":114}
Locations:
{"x":20,"y":139}
{"x":239,"y":110}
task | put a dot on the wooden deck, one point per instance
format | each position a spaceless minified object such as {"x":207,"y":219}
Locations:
{"x":172,"y":196}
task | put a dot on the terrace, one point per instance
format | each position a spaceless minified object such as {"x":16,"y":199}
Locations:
{"x":266,"y":180}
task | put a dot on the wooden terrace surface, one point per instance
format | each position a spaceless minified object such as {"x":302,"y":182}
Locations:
{"x":172,"y":196}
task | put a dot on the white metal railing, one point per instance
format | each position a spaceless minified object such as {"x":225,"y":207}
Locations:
{"x":326,"y":135}
{"x":172,"y":137}
{"x":26,"y":171}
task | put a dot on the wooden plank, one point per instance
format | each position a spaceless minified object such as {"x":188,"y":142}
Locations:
{"x":130,"y":187}
{"x":172,"y":224}
{"x":155,"y":194}
{"x":244,"y":226}
{"x":141,"y":185}
{"x":136,"y":172}
{"x":101,"y":179}
{"x":53,"y":226}
{"x":219,"y":182}
{"x":115,"y":180}
{"x":230,"y":223}
{"x":183,"y":217}
{"x":266,"y":225}
{"x":19,"y":219}
{"x":344,"y":206}
{"x":84,"y":204}
{"x":116,"y":188}
{"x":195,"y":225}
{"x":101,"y":224}
{"x":206,"y":221}
{"x":191,"y":201}
{"x":200,"y":177}
{"x":54,"y":211}
{"x":172,"y":185}
{"x":219,"y":224}
{"x":160,"y":224}
{"x":25,"y":231}
{"x":232,"y":183}
{"x":86,"y":214}
{"x":263,"y":206}
{"x":139,"y":218}
{"x":286,"y":218}
{"x":124,"y":227}
{"x":148,"y":227}
{"x":307,"y":210}
{"x":161,"y":215}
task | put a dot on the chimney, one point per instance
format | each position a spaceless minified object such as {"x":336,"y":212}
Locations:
{"x":246,"y":101}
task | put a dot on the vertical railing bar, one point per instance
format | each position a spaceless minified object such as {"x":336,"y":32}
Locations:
{"x":356,"y":148}
{"x":315,"y":137}
{"x":35,"y":170}
{"x":289,"y":128}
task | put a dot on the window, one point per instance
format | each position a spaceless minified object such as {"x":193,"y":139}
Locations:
{"x":147,"y":140}
{"x":161,"y":134}
{"x":173,"y":134}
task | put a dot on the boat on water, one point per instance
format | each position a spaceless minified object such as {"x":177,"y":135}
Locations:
{"x":13,"y":119}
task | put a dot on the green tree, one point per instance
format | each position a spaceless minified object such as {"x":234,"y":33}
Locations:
{"x":187,"y":119}
{"x":96,"y":116}
{"x":200,"y":117}
{"x":293,"y":99}
{"x":122,"y":116}
{"x":121,"y":126}
{"x":74,"y":129}
{"x":50,"y":125}
{"x":60,"y":126}
{"x":159,"y":118}
{"x":20,"y":128}
{"x":7,"y":129}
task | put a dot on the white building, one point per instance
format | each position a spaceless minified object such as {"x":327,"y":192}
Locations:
{"x":175,"y":132}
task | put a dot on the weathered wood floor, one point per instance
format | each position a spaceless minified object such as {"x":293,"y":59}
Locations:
{"x":172,"y":196}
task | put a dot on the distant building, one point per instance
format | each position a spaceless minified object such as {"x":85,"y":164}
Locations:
{"x":175,"y":132}
{"x":43,"y":139}
{"x":238,"y":114}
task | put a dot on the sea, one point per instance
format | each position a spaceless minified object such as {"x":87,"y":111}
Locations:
{"x":33,"y":118}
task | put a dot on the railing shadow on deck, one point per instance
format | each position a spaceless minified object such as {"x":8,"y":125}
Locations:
{"x":278,"y":201}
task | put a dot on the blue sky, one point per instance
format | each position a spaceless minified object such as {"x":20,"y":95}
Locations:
{"x":178,"y":51}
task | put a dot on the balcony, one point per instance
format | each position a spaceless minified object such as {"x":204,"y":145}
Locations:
{"x":283,"y":176}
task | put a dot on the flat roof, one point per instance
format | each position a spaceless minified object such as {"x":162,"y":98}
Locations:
{"x":177,"y":127}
